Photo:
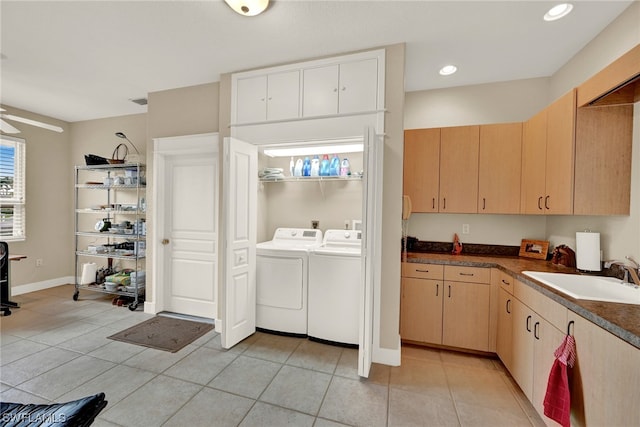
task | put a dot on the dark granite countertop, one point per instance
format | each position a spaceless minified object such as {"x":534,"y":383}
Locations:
{"x":622,"y":320}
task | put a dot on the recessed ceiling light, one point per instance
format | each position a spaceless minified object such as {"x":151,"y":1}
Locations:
{"x":447,"y":70}
{"x":558,"y":11}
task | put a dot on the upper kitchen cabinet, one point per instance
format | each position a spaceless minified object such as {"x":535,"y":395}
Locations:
{"x":459,"y":153}
{"x":345,"y":88}
{"x":500,"y":167}
{"x":268,"y":97}
{"x":548,"y":159}
{"x":348,"y":85}
{"x":604,"y":135}
{"x":421,"y":177}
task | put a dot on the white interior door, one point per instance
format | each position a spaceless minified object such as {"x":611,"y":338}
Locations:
{"x":240,"y":193}
{"x":186,"y":211}
{"x":371,"y":244}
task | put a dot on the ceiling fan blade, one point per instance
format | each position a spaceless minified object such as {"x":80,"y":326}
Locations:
{"x":32,"y":122}
{"x":7,"y":128}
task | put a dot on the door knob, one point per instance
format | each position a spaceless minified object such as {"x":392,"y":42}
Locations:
{"x":165,"y":241}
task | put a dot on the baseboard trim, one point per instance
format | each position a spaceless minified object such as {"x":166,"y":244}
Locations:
{"x":39,"y":286}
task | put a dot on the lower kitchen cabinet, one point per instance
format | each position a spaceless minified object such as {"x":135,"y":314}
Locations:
{"x":465,"y":317}
{"x":504,"y":338}
{"x":450,"y":313}
{"x":605,"y":379}
{"x":421,"y":313}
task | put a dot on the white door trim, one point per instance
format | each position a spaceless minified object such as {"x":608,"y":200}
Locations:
{"x":163,"y":147}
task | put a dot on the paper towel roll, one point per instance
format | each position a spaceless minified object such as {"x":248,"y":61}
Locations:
{"x":588,"y":251}
{"x":88,"y":273}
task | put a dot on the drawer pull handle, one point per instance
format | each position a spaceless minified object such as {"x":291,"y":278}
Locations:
{"x":467,"y":274}
{"x":422,"y":271}
{"x":506,"y":283}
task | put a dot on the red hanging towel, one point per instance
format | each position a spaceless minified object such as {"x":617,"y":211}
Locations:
{"x":557,"y":400}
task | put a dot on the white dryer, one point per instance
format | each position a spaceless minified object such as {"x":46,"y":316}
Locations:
{"x":335,"y":288}
{"x":282,"y":278}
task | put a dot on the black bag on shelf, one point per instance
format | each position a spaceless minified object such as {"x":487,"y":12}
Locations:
{"x":92,"y":160}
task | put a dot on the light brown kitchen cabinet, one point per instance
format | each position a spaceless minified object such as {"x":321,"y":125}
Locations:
{"x":604,"y":136}
{"x":421,"y":175}
{"x":455,"y":315}
{"x":465,"y":317}
{"x":505,"y":329}
{"x":459,"y":153}
{"x":548,"y":159}
{"x":421,"y":310}
{"x":605,"y":377}
{"x":538,"y":325}
{"x":500,"y":168}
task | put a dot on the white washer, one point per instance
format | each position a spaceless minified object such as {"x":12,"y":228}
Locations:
{"x":335,"y":287}
{"x":282,"y":280}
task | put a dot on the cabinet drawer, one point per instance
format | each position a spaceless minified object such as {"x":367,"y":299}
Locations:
{"x":467,"y":274}
{"x":507,"y":282}
{"x":422,"y":271}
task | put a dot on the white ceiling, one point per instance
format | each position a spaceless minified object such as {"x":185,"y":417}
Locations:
{"x":80,"y":60}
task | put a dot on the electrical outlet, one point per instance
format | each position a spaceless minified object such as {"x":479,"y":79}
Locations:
{"x":465,"y":228}
{"x":315,"y":223}
{"x":347,"y":224}
{"x":39,"y":262}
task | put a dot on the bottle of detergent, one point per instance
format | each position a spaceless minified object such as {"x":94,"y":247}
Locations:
{"x":334,"y":167}
{"x":292,"y":167}
{"x":306,"y":167}
{"x":297,"y":171}
{"x":315,"y":166}
{"x":345,"y":168}
{"x":324,"y":166}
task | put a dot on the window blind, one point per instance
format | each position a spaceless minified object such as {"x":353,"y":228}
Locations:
{"x":12,"y":188}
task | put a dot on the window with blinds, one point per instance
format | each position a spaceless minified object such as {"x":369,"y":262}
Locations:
{"x":12,"y":188}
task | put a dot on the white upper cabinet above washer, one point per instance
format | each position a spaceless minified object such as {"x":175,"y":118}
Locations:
{"x":351,"y":87}
{"x":339,"y":86}
{"x":268,"y":97}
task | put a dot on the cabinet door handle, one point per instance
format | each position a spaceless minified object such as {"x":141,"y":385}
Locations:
{"x":165,"y":241}
{"x":437,"y":288}
{"x":433,"y":203}
{"x":540,"y":202}
{"x":508,"y":306}
{"x":344,"y":88}
{"x":484,"y":203}
{"x":506,"y":283}
{"x":335,"y":89}
{"x":449,"y":291}
{"x":546,"y":202}
{"x":444,"y":203}
{"x":528,"y":324}
{"x":535,"y":330}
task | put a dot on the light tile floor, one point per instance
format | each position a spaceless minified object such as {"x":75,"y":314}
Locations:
{"x":54,"y":349}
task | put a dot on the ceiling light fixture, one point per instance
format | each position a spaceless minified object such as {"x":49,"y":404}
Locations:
{"x":559,"y":11}
{"x":248,"y":7}
{"x":447,"y":70}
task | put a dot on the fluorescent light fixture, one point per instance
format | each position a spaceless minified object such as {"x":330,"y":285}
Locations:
{"x":248,"y":7}
{"x":559,"y":11}
{"x":447,"y":70}
{"x":312,"y":150}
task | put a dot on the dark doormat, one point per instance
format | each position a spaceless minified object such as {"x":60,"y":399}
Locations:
{"x":163,"y":333}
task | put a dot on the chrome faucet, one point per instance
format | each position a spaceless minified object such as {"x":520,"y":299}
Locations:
{"x":632,"y":271}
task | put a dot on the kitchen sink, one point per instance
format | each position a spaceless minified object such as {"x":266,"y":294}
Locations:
{"x":597,"y":288}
